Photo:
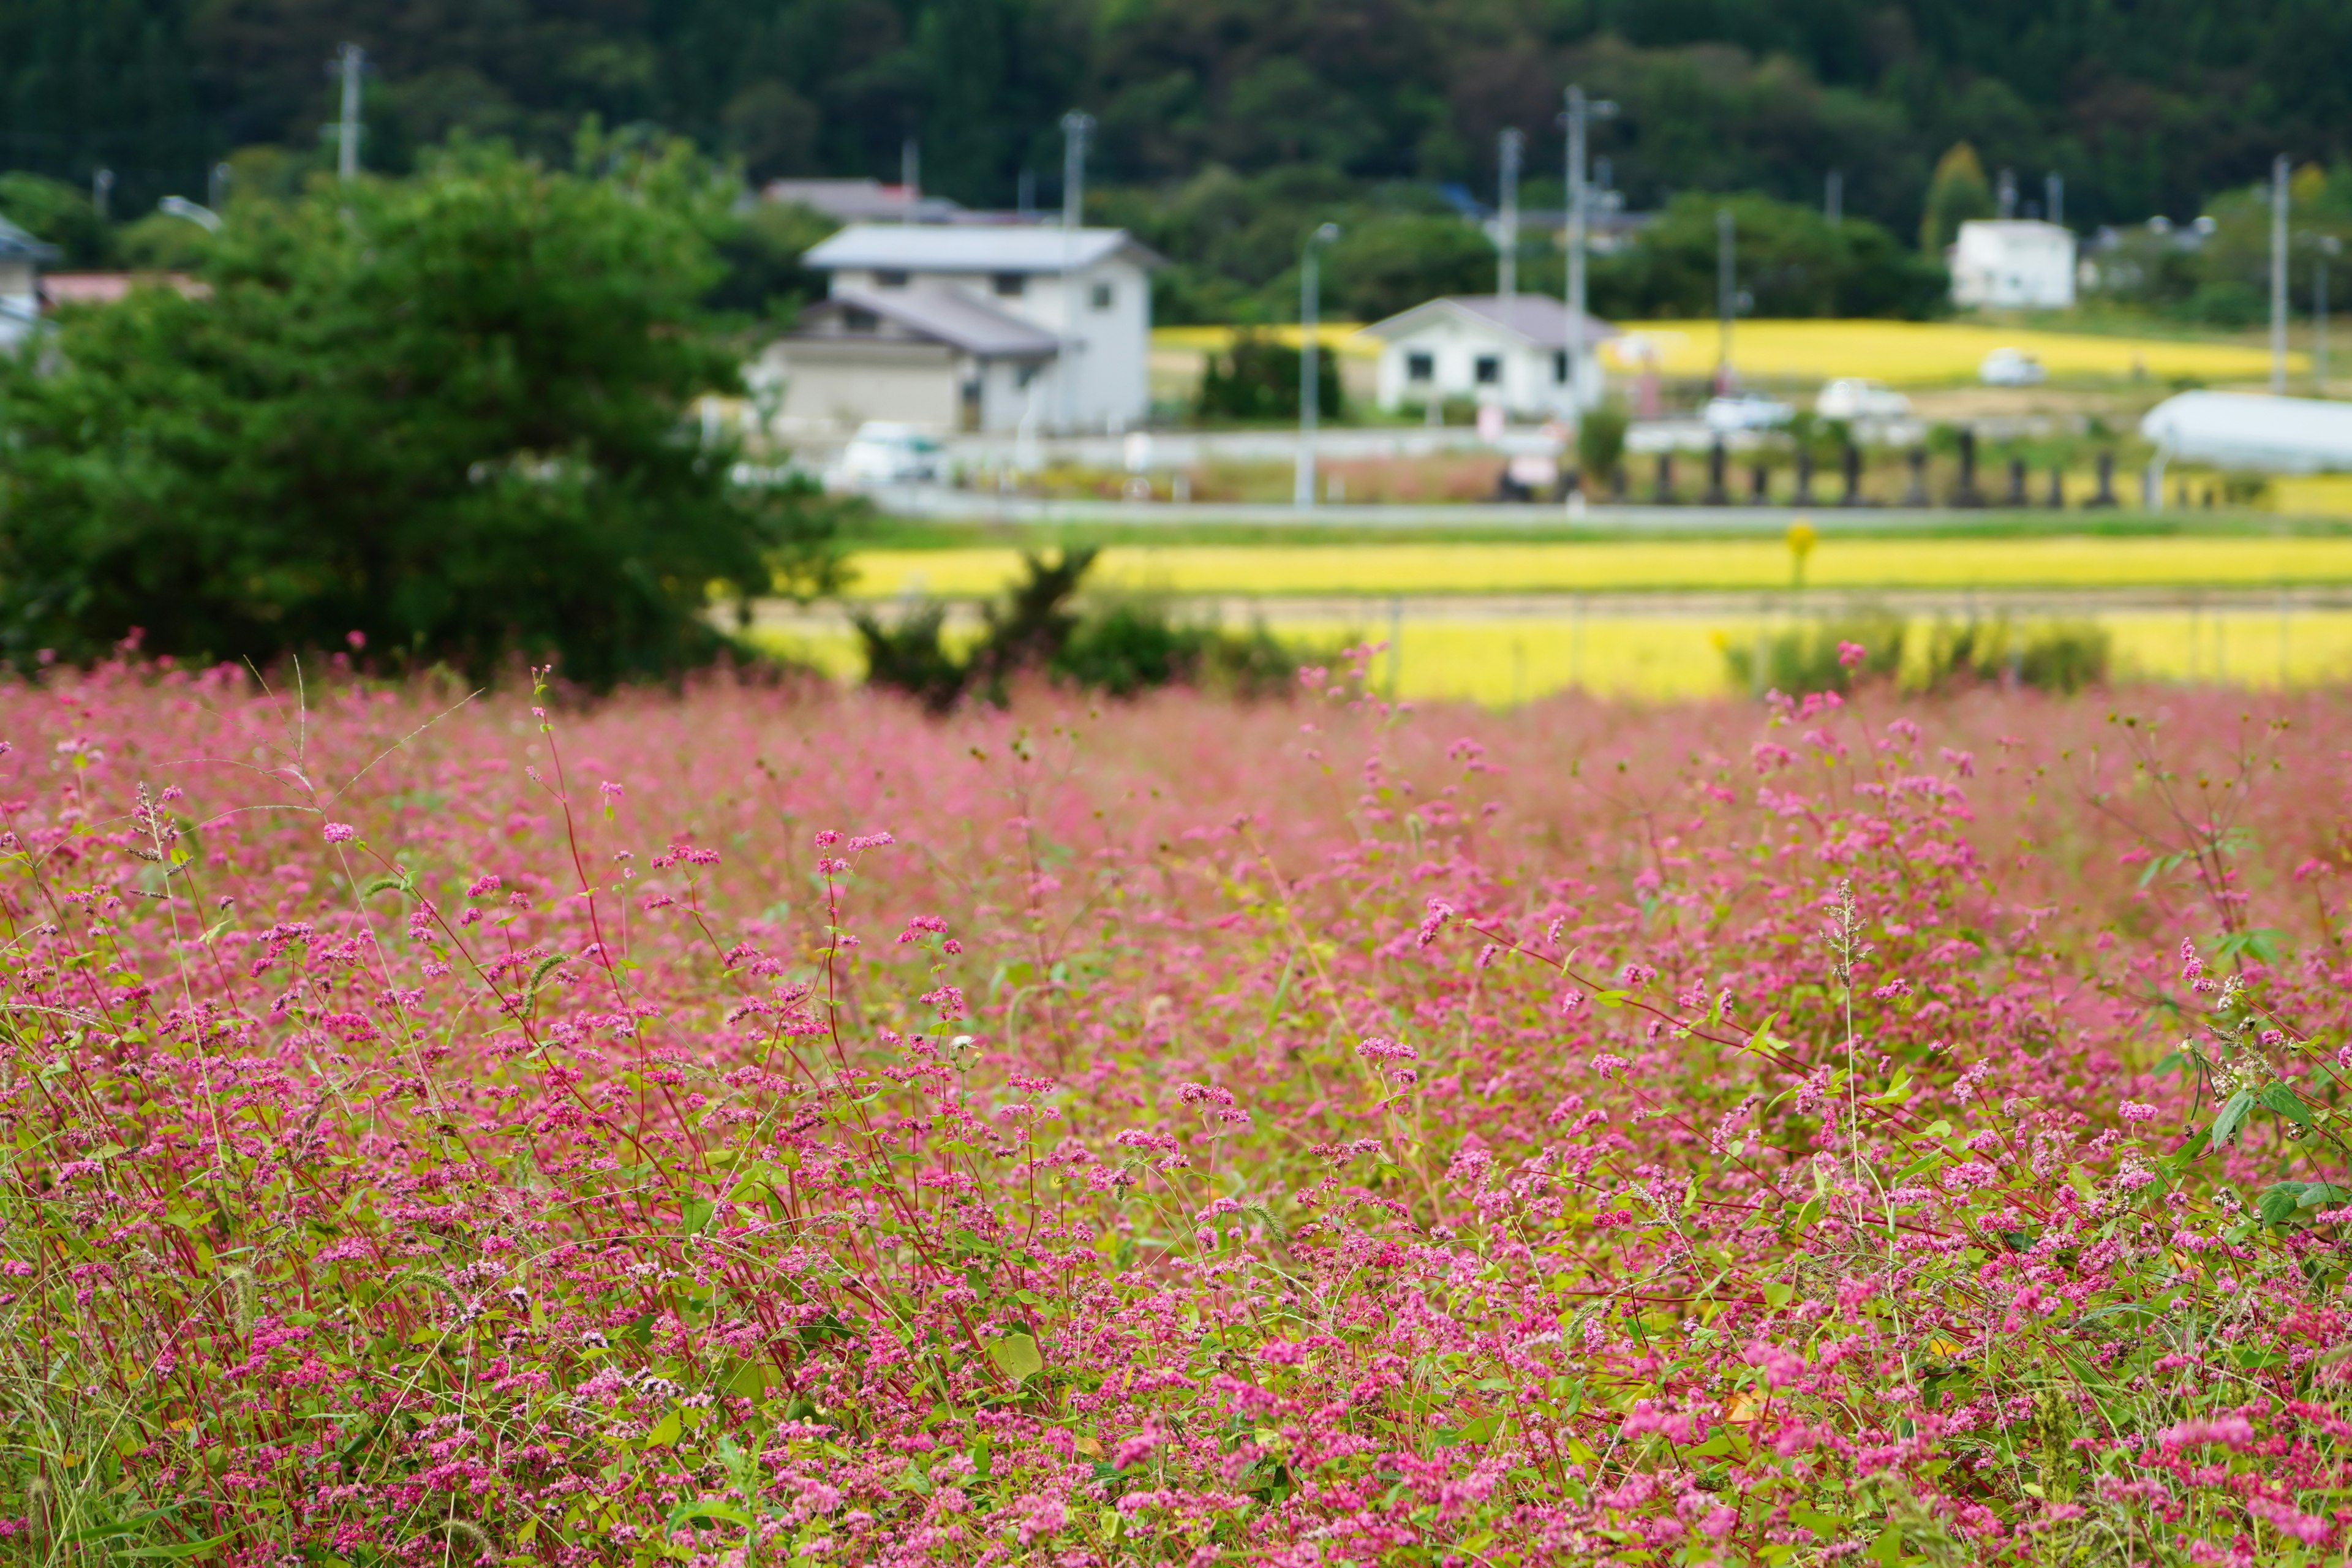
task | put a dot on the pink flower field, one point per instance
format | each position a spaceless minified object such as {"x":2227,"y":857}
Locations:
{"x":760,"y":1126}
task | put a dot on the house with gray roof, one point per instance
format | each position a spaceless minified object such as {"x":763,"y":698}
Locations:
{"x":21,"y":260}
{"x":951,"y":327}
{"x":1511,"y":350}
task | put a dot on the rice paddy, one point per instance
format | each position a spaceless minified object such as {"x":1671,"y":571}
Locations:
{"x":1901,"y":353}
{"x":1613,"y":649}
{"x":1374,"y":569}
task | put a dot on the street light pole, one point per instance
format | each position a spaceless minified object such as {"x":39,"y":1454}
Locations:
{"x":1076,"y":127}
{"x":1506,"y":227}
{"x":350,"y":60}
{"x":2278,"y":275}
{"x":2329,"y":247}
{"x":1302,"y":492}
{"x":1726,"y":297}
{"x":1579,"y":109}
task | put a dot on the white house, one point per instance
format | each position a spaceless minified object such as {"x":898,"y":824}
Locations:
{"x":21,"y":257}
{"x":2018,"y":263}
{"x":1513,"y":351}
{"x":933,"y":358}
{"x":971,"y":328}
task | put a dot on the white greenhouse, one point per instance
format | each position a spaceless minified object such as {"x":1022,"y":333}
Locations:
{"x":2251,"y":430}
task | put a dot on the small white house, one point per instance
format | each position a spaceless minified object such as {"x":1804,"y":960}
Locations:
{"x":933,"y":359}
{"x":2013,"y":263}
{"x":1049,"y":328}
{"x":1512,"y":351}
{"x":21,"y":257}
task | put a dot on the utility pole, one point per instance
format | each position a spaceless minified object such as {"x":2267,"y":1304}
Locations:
{"x":2053,"y":197}
{"x":1579,"y":108}
{"x":910,"y":174}
{"x":1726,"y":297}
{"x":217,"y":189}
{"x":350,"y":60}
{"x":1076,"y":127}
{"x":1302,"y":489}
{"x":2329,"y":247}
{"x":101,"y":190}
{"x":2278,"y":275}
{"x":1506,"y":227}
{"x":1833,"y":201}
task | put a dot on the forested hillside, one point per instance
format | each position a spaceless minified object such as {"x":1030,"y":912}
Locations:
{"x":2144,"y":107}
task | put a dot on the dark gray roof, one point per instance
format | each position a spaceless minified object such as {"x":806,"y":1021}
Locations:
{"x":1538,"y":319}
{"x":15,"y":241}
{"x":943,"y":315}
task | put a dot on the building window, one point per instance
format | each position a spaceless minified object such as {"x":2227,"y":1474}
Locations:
{"x":1489,"y":368}
{"x":889,"y":279}
{"x":1011,"y":285}
{"x":857,"y":320}
{"x":1103,"y":296}
{"x":1559,"y":367}
{"x":1420,"y":367}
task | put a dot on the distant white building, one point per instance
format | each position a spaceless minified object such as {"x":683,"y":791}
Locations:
{"x":1512,"y":351}
{"x":21,"y":257}
{"x":950,"y":327}
{"x":864,"y":201}
{"x":2253,"y":430}
{"x":2012,"y":263}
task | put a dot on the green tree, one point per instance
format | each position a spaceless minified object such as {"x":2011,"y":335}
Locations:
{"x":1956,"y":193}
{"x":54,"y":211}
{"x":447,"y":413}
{"x":1257,"y":378}
{"x":1788,"y":258}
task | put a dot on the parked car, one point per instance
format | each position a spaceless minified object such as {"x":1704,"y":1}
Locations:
{"x":883,"y":453}
{"x":1745,"y":411}
{"x":1855,"y":399}
{"x":2011,"y":367}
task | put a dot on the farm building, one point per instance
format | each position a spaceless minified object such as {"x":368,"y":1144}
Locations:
{"x":21,"y":257}
{"x":2251,"y":430}
{"x":2013,"y":263}
{"x":1512,"y":351}
{"x":948,"y":326}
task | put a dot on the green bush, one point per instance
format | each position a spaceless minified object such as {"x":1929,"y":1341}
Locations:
{"x":2049,"y":655}
{"x":1257,"y":378}
{"x":1600,"y":442}
{"x":1119,"y":649}
{"x":1804,"y":659}
{"x":447,"y":414}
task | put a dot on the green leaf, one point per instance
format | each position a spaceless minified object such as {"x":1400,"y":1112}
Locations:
{"x":1481,"y":1430}
{"x":2232,"y":1116}
{"x":1015,"y":1356}
{"x":665,"y":1431}
{"x":2283,"y":1098}
{"x":384,"y":885}
{"x":696,"y":1214}
{"x":184,"y":1550}
{"x":708,"y":1513}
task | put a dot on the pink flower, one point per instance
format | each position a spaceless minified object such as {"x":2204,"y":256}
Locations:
{"x":2134,"y":1110}
{"x":340,"y":833}
{"x":1851,"y":655}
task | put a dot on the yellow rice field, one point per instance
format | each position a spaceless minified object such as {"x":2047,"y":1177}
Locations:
{"x":1504,"y":660}
{"x":1901,"y":354}
{"x":1913,"y":353}
{"x":1617,"y":567}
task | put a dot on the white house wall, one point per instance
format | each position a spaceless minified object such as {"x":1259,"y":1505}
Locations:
{"x":1527,"y":387}
{"x":1110,"y":386}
